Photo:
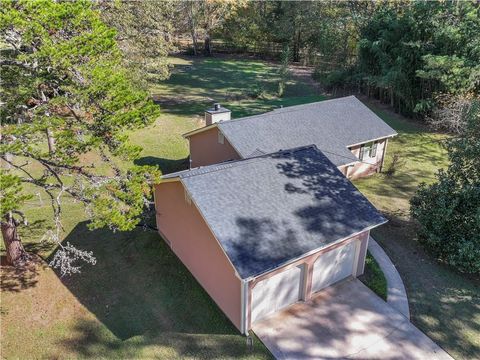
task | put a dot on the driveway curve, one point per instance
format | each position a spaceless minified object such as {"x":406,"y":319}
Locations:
{"x":345,"y":321}
{"x":396,"y":293}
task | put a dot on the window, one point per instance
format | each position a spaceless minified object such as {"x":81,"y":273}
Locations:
{"x":373,"y":149}
{"x":221,"y":138}
{"x":363,"y":149}
{"x":368,"y":150}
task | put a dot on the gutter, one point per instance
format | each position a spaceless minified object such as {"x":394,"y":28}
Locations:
{"x":311,"y":252}
{"x":202,"y":129}
{"x":376,"y":139}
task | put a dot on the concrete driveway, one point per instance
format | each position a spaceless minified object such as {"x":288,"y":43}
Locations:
{"x":345,"y":321}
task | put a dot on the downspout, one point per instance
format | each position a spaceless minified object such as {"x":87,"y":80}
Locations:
{"x":244,"y":305}
{"x":383,"y":156}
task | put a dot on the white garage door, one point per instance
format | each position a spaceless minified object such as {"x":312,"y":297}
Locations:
{"x":334,"y":266}
{"x":276,"y":292}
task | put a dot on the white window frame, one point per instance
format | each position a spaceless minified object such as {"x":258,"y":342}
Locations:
{"x":374,"y":149}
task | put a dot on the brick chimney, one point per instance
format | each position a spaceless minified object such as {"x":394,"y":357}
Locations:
{"x":217,"y":113}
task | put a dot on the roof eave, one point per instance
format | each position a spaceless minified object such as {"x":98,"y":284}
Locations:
{"x":376,"y":139}
{"x":311,"y":252}
{"x":167,"y":180}
{"x":185,"y":187}
{"x":199,"y":130}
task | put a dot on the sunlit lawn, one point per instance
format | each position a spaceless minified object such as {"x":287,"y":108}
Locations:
{"x":138,"y":300}
{"x":443,"y":304}
{"x":374,"y":278}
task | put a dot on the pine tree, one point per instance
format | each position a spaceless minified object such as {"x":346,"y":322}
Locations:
{"x":66,"y":94}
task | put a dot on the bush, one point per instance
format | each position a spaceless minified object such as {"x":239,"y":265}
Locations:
{"x":257,"y":91}
{"x":394,"y":165}
{"x":334,"y":79}
{"x":449,"y":219}
{"x":448,"y":211}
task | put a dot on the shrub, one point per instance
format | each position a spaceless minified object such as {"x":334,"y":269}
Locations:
{"x":396,"y":163}
{"x":449,"y":219}
{"x":448,"y":211}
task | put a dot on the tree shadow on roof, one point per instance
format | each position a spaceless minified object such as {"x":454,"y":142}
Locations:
{"x":317,"y":206}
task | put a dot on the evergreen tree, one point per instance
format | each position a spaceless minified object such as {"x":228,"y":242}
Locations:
{"x":66,"y":95}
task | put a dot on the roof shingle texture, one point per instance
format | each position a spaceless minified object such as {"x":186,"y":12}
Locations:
{"x":268,"y":210}
{"x":331,"y":125}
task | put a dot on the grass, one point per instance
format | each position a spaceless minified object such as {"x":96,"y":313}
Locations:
{"x":444,"y":304}
{"x":374,"y":278}
{"x":138,"y":300}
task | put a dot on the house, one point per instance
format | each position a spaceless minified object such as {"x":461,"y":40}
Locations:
{"x":344,"y":129}
{"x":266,"y":231}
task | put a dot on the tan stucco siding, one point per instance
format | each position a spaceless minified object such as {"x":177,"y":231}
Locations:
{"x":369,"y":165}
{"x":192,"y":241}
{"x":205,"y":149}
{"x":308,"y":262}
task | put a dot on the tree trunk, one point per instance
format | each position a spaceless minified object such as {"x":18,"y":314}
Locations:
{"x":296,"y":47}
{"x":193,"y":26}
{"x":194,"y":42}
{"x":51,"y":141}
{"x":208,"y":45}
{"x":16,"y":254}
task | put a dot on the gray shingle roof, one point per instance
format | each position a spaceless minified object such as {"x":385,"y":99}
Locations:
{"x":331,"y":125}
{"x":268,"y":210}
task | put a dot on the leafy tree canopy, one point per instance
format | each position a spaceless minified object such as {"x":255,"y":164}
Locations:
{"x":144,"y":31}
{"x":68,"y":98}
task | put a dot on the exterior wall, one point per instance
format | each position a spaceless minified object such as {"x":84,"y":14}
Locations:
{"x":206,"y":150}
{"x":182,"y":226}
{"x":369,"y":165}
{"x":343,"y":169}
{"x":308,"y":263}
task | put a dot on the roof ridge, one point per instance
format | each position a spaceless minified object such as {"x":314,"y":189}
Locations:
{"x":269,"y":113}
{"x":315,"y":102}
{"x":229,"y":164}
{"x":285,"y":109}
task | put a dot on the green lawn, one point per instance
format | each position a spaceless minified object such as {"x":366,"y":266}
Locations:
{"x":138,"y":300}
{"x":443,"y":304}
{"x":373,"y":277}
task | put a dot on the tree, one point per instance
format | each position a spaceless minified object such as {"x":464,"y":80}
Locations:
{"x":62,"y":75}
{"x":451,"y":113}
{"x":284,"y":72}
{"x":448,"y":211}
{"x":203,"y":17}
{"x":144,"y":34}
{"x":409,"y":54}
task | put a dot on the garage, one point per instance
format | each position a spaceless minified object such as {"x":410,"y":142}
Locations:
{"x":276,"y":292}
{"x":334,"y":265}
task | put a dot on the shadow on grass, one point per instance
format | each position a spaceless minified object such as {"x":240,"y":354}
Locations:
{"x":138,"y":285}
{"x":166,"y":166}
{"x":14,"y":279}
{"x":444,"y":304}
{"x":90,"y":341}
